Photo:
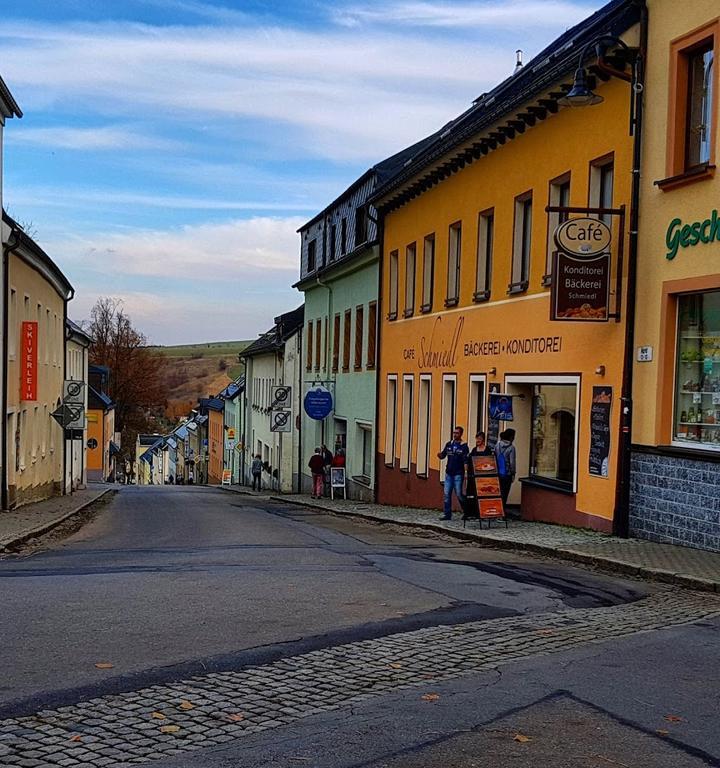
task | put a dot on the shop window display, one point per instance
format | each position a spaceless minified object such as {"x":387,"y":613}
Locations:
{"x":553,"y":432}
{"x":697,"y":398}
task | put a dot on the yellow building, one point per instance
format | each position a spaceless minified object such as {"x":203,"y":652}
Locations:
{"x":466,"y":287}
{"x":37,"y":293}
{"x":676,"y":426}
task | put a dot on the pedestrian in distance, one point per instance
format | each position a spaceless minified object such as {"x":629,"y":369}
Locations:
{"x":456,"y":452}
{"x":317,"y":468}
{"x":506,"y":462}
{"x":480,"y":448}
{"x":256,"y":469}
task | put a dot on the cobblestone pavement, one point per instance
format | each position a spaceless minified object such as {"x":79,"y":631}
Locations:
{"x":208,"y":710}
{"x":683,"y":565}
{"x":34,"y":518}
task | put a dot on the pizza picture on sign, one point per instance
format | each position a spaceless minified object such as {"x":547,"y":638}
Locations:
{"x":484,"y":465}
{"x":487,"y":486}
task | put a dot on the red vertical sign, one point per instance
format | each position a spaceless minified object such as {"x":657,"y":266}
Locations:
{"x":29,"y":361}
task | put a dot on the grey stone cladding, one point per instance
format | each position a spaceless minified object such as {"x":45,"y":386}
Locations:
{"x":675,"y":500}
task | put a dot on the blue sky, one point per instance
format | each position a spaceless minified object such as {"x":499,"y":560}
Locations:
{"x":170,"y":149}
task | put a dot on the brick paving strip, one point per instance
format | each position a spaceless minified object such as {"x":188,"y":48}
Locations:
{"x":669,"y":563}
{"x":208,"y":710}
{"x":33,"y":520}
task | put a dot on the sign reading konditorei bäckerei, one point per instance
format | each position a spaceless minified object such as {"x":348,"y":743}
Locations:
{"x":580,"y":288}
{"x":600,"y":410}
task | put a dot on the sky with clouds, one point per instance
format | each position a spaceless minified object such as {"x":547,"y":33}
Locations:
{"x":170,"y":149}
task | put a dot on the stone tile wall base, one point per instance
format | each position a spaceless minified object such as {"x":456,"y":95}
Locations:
{"x":675,"y":500}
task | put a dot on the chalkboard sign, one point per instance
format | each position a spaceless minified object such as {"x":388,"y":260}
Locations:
{"x":600,"y":431}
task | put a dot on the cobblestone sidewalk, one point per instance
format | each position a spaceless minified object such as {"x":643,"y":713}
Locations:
{"x":208,"y":710}
{"x":663,"y":562}
{"x":35,"y":519}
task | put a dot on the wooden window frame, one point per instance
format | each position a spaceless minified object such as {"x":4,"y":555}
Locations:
{"x":318,"y":343}
{"x":312,"y":248}
{"x":393,"y":289}
{"x":456,"y":254}
{"x":518,"y":251}
{"x":309,"y":346}
{"x":359,"y":333}
{"x":485,"y":247}
{"x":555,"y":187}
{"x":336,"y":343}
{"x":346,"y":340}
{"x":678,"y":174}
{"x":410,"y":251}
{"x":372,"y":336}
{"x":427,"y":297}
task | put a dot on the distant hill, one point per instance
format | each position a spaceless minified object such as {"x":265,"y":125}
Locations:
{"x":198,"y":370}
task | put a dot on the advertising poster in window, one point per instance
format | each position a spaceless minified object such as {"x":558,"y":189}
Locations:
{"x":500,"y":407}
{"x":600,"y":431}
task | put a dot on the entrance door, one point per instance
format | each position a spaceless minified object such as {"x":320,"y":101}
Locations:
{"x":566,"y":445}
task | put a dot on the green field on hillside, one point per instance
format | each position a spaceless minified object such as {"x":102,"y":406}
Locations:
{"x":209,"y":349}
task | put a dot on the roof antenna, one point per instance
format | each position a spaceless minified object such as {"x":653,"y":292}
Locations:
{"x":518,"y":61}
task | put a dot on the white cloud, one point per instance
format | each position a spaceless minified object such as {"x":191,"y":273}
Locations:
{"x":329,"y":93}
{"x":90,"y":139}
{"x":244,"y":250}
{"x":509,"y":14}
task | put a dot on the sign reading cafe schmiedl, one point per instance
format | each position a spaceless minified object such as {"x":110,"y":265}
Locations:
{"x":682,"y":235}
{"x":581,"y":271}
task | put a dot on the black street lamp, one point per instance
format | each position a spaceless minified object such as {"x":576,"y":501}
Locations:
{"x":581,"y":95}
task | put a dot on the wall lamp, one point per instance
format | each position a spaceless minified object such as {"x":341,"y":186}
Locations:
{"x":581,"y":95}
{"x":600,"y":370}
{"x":492,"y":371}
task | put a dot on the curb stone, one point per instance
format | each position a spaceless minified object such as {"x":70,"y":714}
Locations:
{"x":39,"y":530}
{"x":613,"y":564}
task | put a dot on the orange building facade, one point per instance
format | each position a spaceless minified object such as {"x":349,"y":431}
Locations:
{"x":216,"y":446}
{"x":466,"y":292}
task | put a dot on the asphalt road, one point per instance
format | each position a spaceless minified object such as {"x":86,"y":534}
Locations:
{"x":167,"y":583}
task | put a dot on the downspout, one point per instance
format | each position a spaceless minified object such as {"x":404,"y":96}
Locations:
{"x":378,"y":336}
{"x":68,"y":298}
{"x":622,"y":499}
{"x":11,"y":245}
{"x":328,"y":288}
{"x":299,"y":402}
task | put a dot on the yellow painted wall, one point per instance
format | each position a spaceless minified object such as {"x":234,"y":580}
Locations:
{"x":568,"y":141}
{"x":95,"y":431}
{"x":36,"y":470}
{"x":216,"y":446}
{"x":658,"y":208}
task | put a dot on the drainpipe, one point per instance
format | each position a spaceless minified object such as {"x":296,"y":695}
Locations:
{"x":11,"y":245}
{"x":380,"y":223}
{"x":328,"y":288}
{"x":622,"y":499}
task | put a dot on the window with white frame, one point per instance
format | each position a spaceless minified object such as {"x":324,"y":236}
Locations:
{"x":476,"y":410}
{"x":424,"y":422}
{"x":406,"y":422}
{"x":390,"y":419}
{"x":449,"y":403}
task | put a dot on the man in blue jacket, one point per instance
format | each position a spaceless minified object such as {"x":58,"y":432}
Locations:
{"x":456,"y":452}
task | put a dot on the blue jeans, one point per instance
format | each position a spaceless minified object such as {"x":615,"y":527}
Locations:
{"x":452,"y":483}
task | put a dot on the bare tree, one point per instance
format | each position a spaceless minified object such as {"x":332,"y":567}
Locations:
{"x":136,"y":372}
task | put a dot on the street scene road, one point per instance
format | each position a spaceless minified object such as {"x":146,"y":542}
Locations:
{"x":192,"y":626}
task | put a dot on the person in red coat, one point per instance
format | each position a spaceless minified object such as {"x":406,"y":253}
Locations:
{"x":317,"y":468}
{"x":339,"y":458}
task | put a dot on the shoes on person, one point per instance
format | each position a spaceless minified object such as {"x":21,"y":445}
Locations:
{"x":445,"y":517}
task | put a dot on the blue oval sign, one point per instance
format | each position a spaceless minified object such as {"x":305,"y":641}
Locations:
{"x":318,"y":403}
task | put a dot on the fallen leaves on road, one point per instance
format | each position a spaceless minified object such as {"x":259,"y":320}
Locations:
{"x":76,"y":737}
{"x":104,"y":665}
{"x":236,"y":717}
{"x":662,"y":732}
{"x":185,"y":704}
{"x":521,"y":738}
{"x":158,"y":715}
{"x":396,"y":665}
{"x":430,"y":696}
{"x":545,"y":632}
{"x":673,"y":718}
{"x":170,"y":729}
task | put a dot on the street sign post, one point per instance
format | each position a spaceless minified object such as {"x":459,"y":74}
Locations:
{"x":281,"y":397}
{"x":70,"y":415}
{"x":73,"y":391}
{"x":281,"y":421}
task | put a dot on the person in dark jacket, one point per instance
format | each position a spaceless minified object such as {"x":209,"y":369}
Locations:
{"x":456,"y":452}
{"x":506,"y":458}
{"x":317,"y":468}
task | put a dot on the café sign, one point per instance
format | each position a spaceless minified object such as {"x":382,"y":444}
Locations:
{"x":581,"y":271}
{"x":583,"y":237}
